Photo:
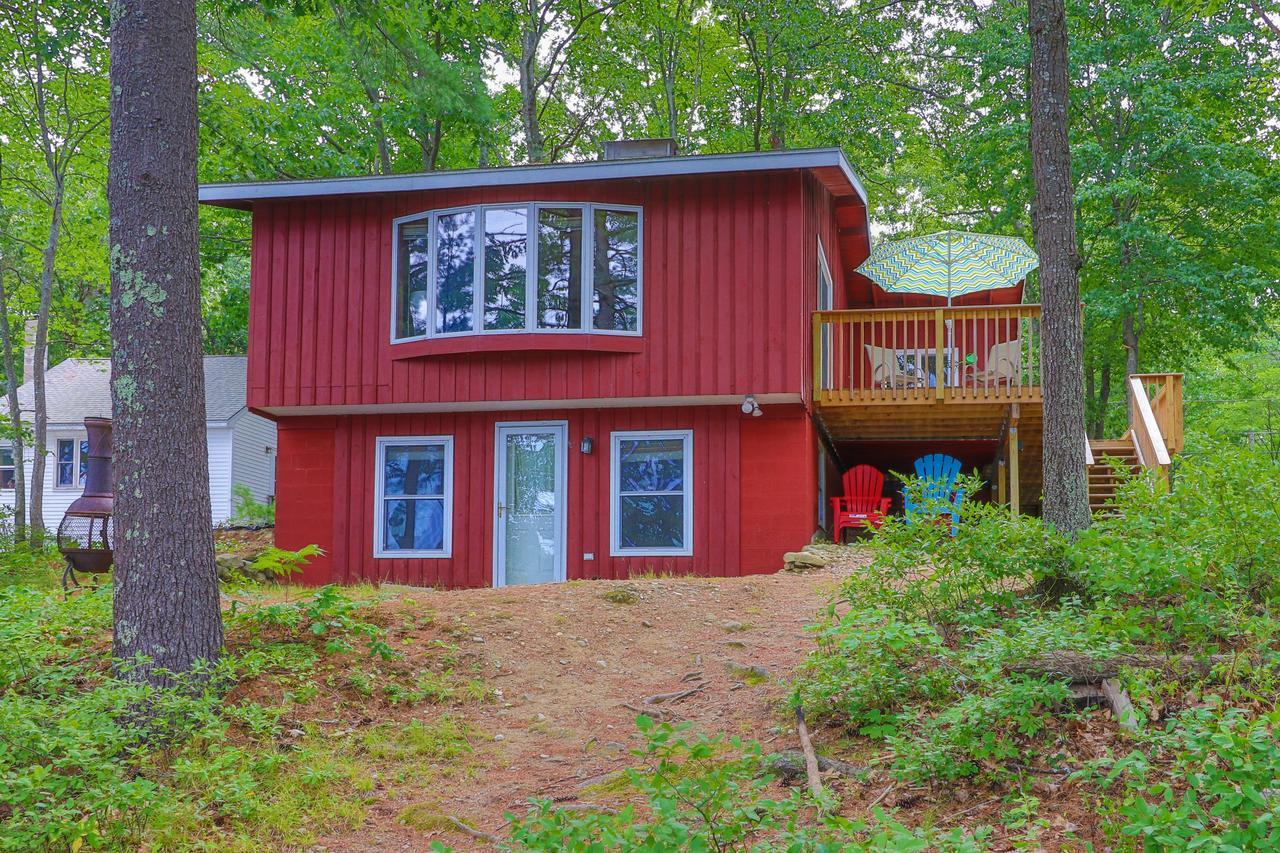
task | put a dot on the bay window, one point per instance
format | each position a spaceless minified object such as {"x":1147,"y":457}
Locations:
{"x":518,"y":268}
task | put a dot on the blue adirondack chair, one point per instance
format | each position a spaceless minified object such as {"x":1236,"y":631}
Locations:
{"x":939,"y":472}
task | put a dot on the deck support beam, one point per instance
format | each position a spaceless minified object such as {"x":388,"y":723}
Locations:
{"x":1015,"y":497}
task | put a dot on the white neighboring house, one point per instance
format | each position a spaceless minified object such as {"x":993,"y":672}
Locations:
{"x":242,"y":445}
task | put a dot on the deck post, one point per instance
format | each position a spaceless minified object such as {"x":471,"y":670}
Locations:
{"x":939,"y":334}
{"x":1015,"y":503}
{"x":817,"y":356}
{"x":1002,"y":481}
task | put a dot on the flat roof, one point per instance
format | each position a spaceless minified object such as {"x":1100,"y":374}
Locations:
{"x":242,"y":195}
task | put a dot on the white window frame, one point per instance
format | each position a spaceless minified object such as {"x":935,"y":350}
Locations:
{"x":76,"y":485}
{"x":531,"y":270}
{"x":615,"y":493}
{"x":379,"y":485}
{"x":826,"y":294}
{"x":14,"y":466}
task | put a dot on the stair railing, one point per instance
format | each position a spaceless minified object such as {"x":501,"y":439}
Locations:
{"x":1164,"y":392}
{"x":1148,"y":439}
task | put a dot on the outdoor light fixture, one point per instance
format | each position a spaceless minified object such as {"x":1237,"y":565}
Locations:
{"x":587,"y":444}
{"x":751,"y":407}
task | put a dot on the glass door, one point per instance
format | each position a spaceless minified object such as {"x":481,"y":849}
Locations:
{"x":529,"y":515}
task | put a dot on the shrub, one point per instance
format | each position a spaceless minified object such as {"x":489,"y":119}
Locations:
{"x":249,"y":512}
{"x":1207,"y":782}
{"x":712,"y":794}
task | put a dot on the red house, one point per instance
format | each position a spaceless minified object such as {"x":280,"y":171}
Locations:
{"x":640,"y":364}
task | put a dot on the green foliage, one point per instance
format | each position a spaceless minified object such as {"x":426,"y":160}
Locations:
{"x":280,"y":563}
{"x":1207,"y":782}
{"x":206,"y":767}
{"x":712,"y":794}
{"x":919,"y":651}
{"x":250,"y":512}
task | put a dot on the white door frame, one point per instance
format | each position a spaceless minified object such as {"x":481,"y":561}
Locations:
{"x":561,"y":431}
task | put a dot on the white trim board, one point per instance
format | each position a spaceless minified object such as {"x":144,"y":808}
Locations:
{"x":244,"y":194}
{"x":528,"y":405}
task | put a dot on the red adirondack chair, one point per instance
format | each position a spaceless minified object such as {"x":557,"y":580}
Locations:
{"x":863,"y":504}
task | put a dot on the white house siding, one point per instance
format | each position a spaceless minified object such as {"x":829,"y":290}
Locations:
{"x":56,"y":500}
{"x":220,"y":443}
{"x":253,"y":456}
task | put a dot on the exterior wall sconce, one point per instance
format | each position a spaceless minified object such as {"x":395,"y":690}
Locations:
{"x":587,"y":445}
{"x":751,"y":407}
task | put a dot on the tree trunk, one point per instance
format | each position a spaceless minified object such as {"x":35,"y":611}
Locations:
{"x":15,"y":416}
{"x":1066,"y":499}
{"x":1104,"y":397}
{"x":535,"y":145}
{"x":40,"y":359}
{"x":166,"y":588}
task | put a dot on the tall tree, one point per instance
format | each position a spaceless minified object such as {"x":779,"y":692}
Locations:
{"x":1066,"y":496}
{"x":167,"y":616}
{"x":54,"y":63}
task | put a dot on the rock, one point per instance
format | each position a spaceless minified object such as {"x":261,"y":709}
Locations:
{"x":732,"y":626}
{"x":805,"y":558}
{"x":746,"y":672}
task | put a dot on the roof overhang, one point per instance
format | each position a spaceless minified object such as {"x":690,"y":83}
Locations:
{"x":830,"y":163}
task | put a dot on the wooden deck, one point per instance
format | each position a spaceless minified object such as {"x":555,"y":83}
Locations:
{"x":987,"y":355}
{"x":935,"y":375}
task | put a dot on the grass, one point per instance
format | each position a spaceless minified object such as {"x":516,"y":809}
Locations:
{"x":315,"y":714}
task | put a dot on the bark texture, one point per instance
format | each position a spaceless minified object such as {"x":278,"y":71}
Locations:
{"x":15,"y":413}
{"x":1066,"y":498}
{"x":166,"y":587}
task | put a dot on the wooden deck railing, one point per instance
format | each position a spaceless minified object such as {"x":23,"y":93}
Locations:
{"x":922,"y":355}
{"x":1163,"y":392}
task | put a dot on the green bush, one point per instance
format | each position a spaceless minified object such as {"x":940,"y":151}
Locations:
{"x":707,"y":793}
{"x":1208,"y":782}
{"x":248,"y":511}
{"x":918,"y":651}
{"x":80,"y":768}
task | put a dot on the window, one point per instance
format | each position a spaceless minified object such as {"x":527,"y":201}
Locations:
{"x":414,"y":508}
{"x":518,"y":268}
{"x":8,"y":473}
{"x":70,"y":463}
{"x":651,"y":510}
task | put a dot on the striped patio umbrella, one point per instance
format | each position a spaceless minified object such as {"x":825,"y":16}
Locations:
{"x":949,"y":263}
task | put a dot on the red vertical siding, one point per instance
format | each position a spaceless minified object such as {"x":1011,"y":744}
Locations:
{"x":725,"y":275}
{"x":754,"y":488}
{"x":305,"y":494}
{"x":779,"y":488}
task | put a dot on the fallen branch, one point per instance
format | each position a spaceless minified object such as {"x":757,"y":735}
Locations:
{"x":790,"y":764}
{"x":674,"y":696}
{"x":810,"y":757}
{"x":662,"y":715}
{"x":1078,"y":667}
{"x":586,"y":807}
{"x":474,"y":833}
{"x":1121,"y":706}
{"x":871,"y":805}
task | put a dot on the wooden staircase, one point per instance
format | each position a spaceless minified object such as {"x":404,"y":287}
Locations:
{"x":1110,"y":458}
{"x":1154,"y":436}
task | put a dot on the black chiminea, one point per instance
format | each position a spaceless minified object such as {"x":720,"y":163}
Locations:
{"x":85,"y":535}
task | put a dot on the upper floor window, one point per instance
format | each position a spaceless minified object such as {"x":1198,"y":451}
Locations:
{"x":518,"y":268}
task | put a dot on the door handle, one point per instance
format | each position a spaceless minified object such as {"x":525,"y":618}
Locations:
{"x":500,"y":509}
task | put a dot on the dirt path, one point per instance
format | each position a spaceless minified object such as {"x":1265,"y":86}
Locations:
{"x":565,"y":658}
